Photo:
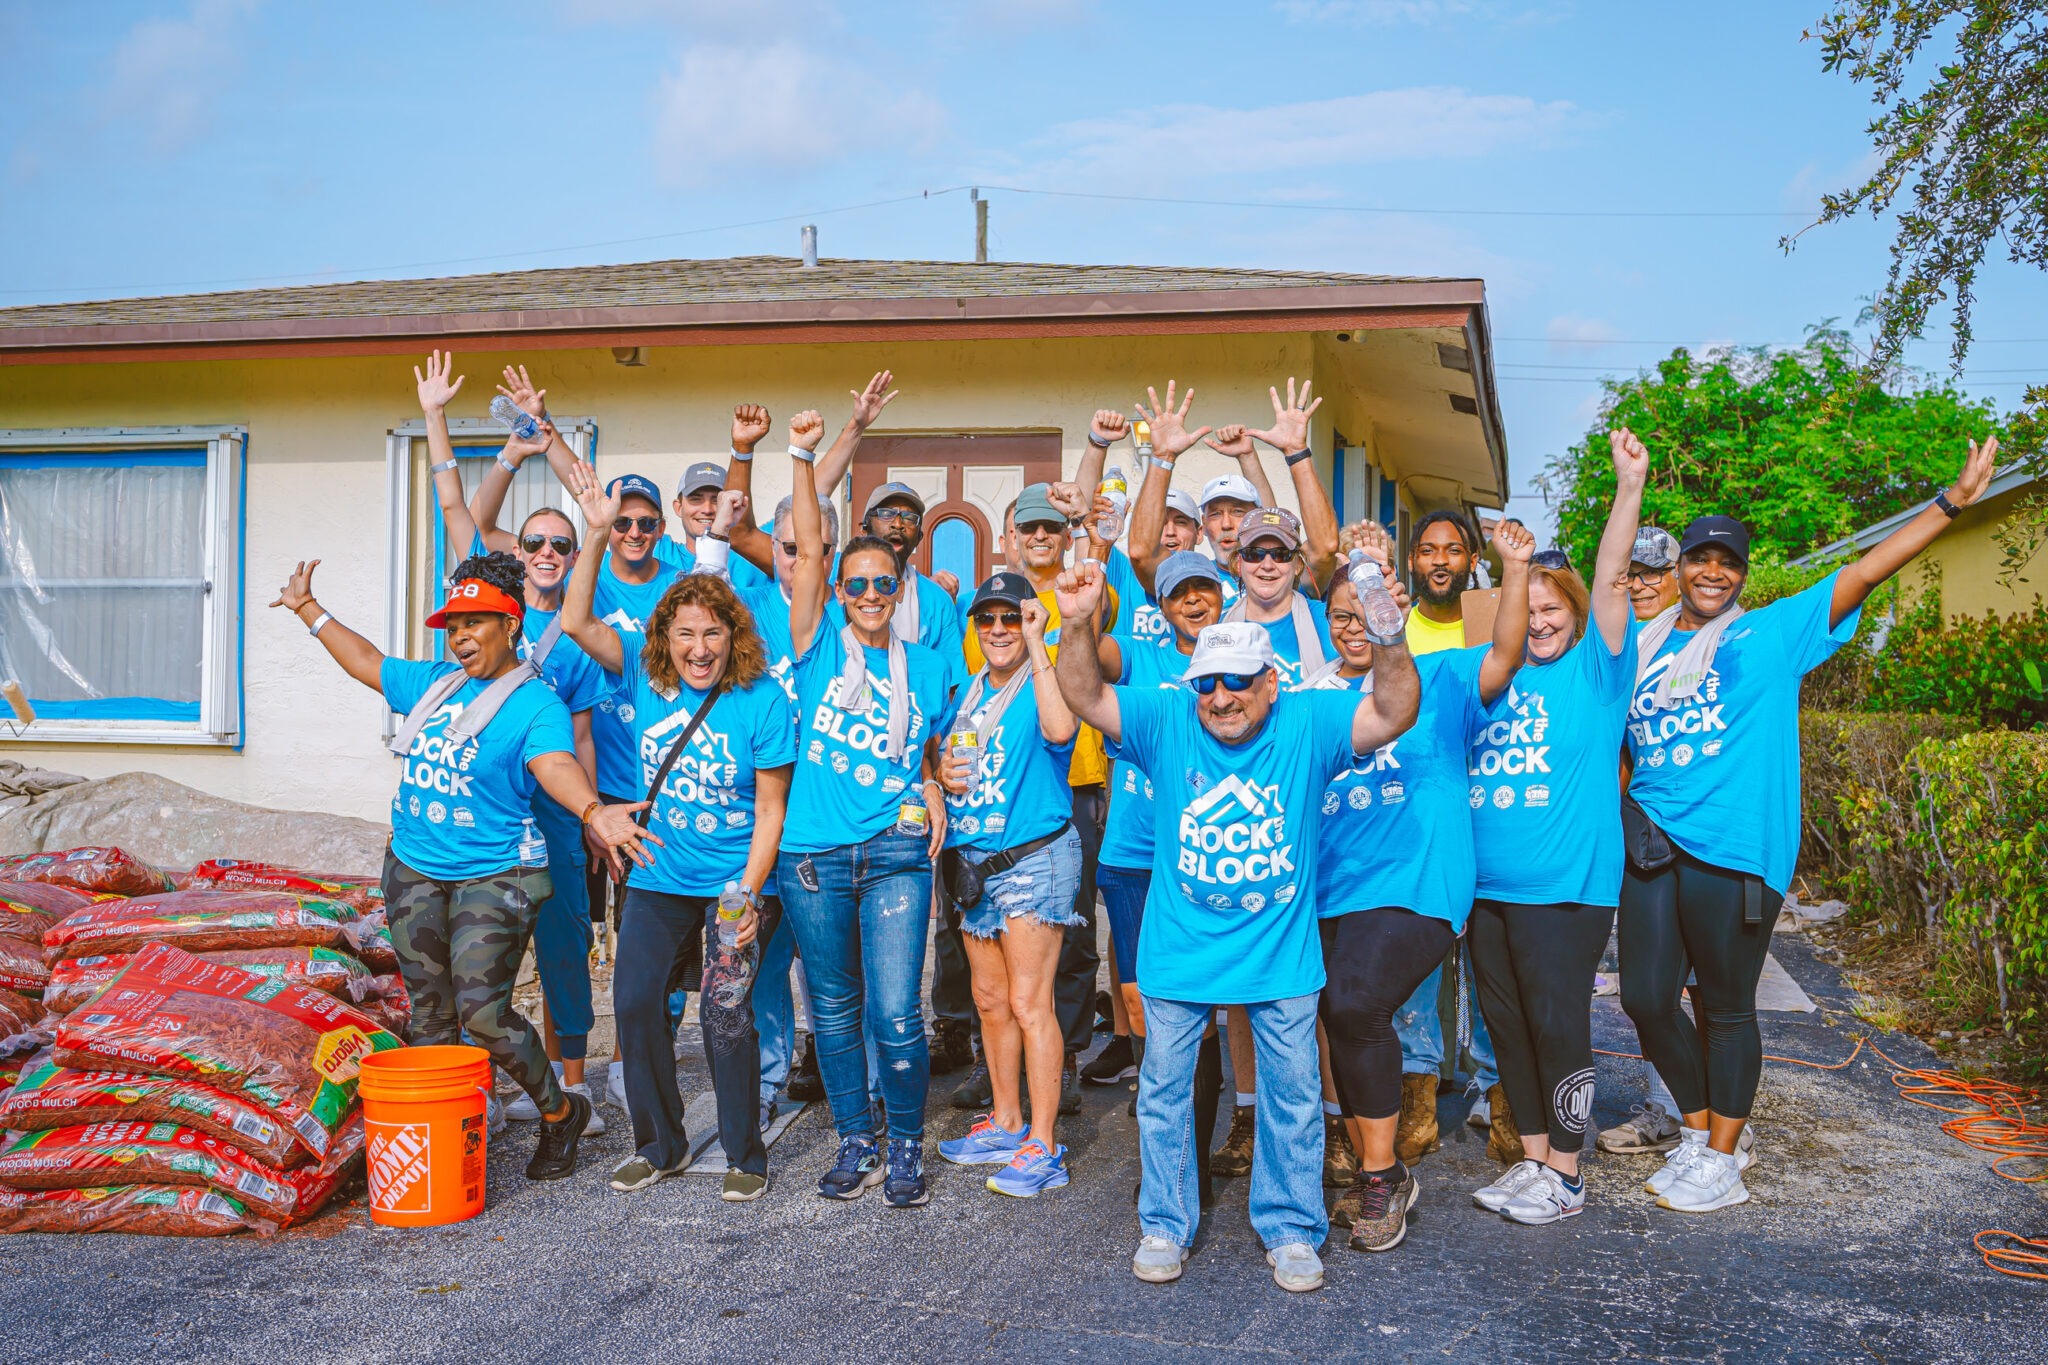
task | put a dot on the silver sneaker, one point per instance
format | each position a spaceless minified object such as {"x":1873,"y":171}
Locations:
{"x":1481,"y":1113}
{"x":1493,"y":1198}
{"x":1296,"y":1267}
{"x":1712,"y":1181}
{"x":494,"y":1115}
{"x":1157,"y":1260}
{"x":596,"y":1124}
{"x":1646,"y":1129}
{"x":1546,"y":1199}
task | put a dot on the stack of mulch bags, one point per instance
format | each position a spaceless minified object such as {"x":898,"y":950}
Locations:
{"x":204,"y":1035}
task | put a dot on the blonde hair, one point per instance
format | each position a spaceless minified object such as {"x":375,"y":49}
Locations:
{"x":1572,"y":588}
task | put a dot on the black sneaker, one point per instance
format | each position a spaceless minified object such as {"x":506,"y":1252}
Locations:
{"x":952,"y":1046}
{"x":805,"y":1084}
{"x":975,"y":1093}
{"x":554,"y":1156}
{"x":859,"y":1167}
{"x":1070,"y":1085}
{"x":1105,"y":1013}
{"x":1114,"y":1063}
{"x":905,"y":1186}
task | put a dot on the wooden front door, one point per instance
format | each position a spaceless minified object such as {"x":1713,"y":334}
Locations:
{"x":966,"y":483}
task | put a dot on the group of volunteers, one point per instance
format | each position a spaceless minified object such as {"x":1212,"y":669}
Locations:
{"x":1311,"y":810}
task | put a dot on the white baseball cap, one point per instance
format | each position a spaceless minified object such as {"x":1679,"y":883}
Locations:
{"x":1181,"y":501}
{"x":1230,"y":486}
{"x":1231,"y":647}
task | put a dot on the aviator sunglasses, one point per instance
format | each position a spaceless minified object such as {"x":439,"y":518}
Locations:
{"x":531,"y":544}
{"x":985,"y":619}
{"x":647,"y":525}
{"x":883,"y":583}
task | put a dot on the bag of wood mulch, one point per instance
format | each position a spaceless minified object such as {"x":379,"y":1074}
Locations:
{"x":52,"y":1096}
{"x":151,"y":1210}
{"x":234,"y":874}
{"x":108,"y":871}
{"x":24,"y":1025}
{"x":202,"y":921}
{"x":29,"y":908}
{"x":342,"y":975}
{"x":22,"y":968}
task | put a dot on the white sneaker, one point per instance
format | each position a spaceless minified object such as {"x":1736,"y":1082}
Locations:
{"x":1157,"y":1260}
{"x":1546,"y":1199}
{"x":1745,"y":1149}
{"x":1691,"y":1142}
{"x":523,"y":1109}
{"x":1296,"y":1267}
{"x":596,"y":1124}
{"x":494,"y":1115}
{"x":1712,"y":1181}
{"x":1493,"y":1198}
{"x":615,"y":1087}
{"x":1481,"y":1114}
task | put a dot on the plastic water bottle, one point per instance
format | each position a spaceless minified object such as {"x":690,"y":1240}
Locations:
{"x":533,"y":848}
{"x":1382,"y":614}
{"x":966,"y":745}
{"x":732,"y":908}
{"x":912,"y":817}
{"x":1110,"y":526}
{"x":523,"y":423}
{"x":732,"y":967}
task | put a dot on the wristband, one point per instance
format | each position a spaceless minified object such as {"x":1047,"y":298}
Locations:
{"x":314,"y":629}
{"x":1941,"y":501}
{"x":799,"y":453}
{"x":592,"y":809}
{"x":714,"y":555}
{"x":1098,"y":443}
{"x":1158,"y":462}
{"x":1305,"y":453}
{"x":506,"y":464}
{"x":715,"y":536}
{"x":742,"y":455}
{"x":441,"y":468}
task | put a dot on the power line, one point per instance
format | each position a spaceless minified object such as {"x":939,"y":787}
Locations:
{"x":1306,"y":207}
{"x":1696,"y":342}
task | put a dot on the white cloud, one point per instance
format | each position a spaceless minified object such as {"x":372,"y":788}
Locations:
{"x":1569,"y":335}
{"x":166,"y":72}
{"x":779,"y":108}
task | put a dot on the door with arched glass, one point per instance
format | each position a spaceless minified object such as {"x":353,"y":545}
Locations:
{"x":967,"y":482}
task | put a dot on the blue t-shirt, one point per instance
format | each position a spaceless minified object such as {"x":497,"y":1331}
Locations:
{"x":574,"y":677}
{"x":1396,"y":830}
{"x":1720,"y":774}
{"x":847,"y":788}
{"x":1140,"y":618}
{"x":705,"y":810}
{"x":1021,"y":791}
{"x":740,"y":570}
{"x":1545,"y":773}
{"x":1231,"y":916}
{"x":462,"y":814}
{"x":625,"y":607}
{"x":1288,"y":647}
{"x":1127,"y":830}
{"x":771,"y":621}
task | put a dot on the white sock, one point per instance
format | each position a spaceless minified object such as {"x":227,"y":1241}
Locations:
{"x":1332,"y":1110}
{"x":1245,"y":1101}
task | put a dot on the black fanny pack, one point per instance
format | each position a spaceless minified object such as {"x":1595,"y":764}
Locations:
{"x":1648,"y":847}
{"x":965,"y":879}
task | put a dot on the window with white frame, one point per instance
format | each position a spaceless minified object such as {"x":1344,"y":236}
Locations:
{"x":120,"y":582}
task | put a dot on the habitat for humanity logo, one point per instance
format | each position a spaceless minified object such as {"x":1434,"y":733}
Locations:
{"x":1234,"y":846}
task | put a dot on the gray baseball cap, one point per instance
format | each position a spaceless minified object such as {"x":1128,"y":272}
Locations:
{"x":700,"y":476}
{"x":1655,"y":548}
{"x":890,"y":491}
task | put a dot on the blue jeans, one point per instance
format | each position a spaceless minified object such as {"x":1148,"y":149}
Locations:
{"x":561,"y":936}
{"x":1422,"y":1033}
{"x":775,"y":1011}
{"x":862,"y":934}
{"x":1287,"y":1160}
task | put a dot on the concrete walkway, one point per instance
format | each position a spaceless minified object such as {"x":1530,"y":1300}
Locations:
{"x":1856,"y":1246}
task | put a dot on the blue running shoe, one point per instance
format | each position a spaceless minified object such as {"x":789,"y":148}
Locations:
{"x":1031,"y":1171}
{"x":987,"y":1144}
{"x":905,"y":1187}
{"x":859,"y":1166}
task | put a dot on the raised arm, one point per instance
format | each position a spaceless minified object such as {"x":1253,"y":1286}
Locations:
{"x":867,"y":406}
{"x":1609,"y":584}
{"x":1078,"y":594}
{"x":437,"y":389}
{"x":1055,"y":717}
{"x":808,"y":587}
{"x":497,"y":482}
{"x":1289,"y":436}
{"x":579,"y":600}
{"x":1515,"y":542}
{"x":750,"y":423}
{"x":1856,"y":582}
{"x":1385,"y":715}
{"x":519,"y":388}
{"x":358,"y":658}
{"x":1170,"y":440}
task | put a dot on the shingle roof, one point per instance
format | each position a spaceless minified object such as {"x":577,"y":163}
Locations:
{"x":732,"y":280}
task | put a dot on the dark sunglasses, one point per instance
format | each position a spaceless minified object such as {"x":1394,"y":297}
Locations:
{"x":984,"y":619}
{"x":884,"y":583}
{"x":531,"y":544}
{"x":648,"y":525}
{"x":1550,"y":559}
{"x":1260,"y":554}
{"x":1232,"y":682}
{"x":886,"y":515}
{"x":1051,"y":528}
{"x":789,"y":548}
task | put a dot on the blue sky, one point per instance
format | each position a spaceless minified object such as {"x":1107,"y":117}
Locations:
{"x":162,"y":147}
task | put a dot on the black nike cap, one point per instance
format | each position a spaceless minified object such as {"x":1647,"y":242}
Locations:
{"x":1726,"y":532}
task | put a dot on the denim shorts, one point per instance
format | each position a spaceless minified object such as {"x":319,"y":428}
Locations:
{"x":1041,"y":886}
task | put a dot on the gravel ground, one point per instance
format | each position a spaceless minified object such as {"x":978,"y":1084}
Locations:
{"x":1855,"y":1246}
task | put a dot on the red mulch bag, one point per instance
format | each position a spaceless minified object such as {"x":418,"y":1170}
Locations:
{"x":341,"y":975}
{"x":234,"y":874}
{"x":52,"y":1096}
{"x":160,"y":1210}
{"x":29,"y":908}
{"x":109,"y":871}
{"x":22,"y":969}
{"x":198,"y":921}
{"x":296,"y":1052}
{"x":370,"y":937}
{"x":165,"y":1154}
{"x":22,"y":1024}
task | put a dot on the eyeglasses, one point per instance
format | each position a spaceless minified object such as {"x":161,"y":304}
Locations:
{"x":789,"y":548}
{"x":884,"y":584}
{"x":648,"y":525}
{"x":1010,"y":619}
{"x":889,"y":515}
{"x":1649,"y":578}
{"x":1550,"y":559}
{"x":1260,"y":554}
{"x":531,"y":544}
{"x":1232,"y":682}
{"x":1346,"y":620}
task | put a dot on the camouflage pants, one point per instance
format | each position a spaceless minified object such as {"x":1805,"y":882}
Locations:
{"x":459,"y":946}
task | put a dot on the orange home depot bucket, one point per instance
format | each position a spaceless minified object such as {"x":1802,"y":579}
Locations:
{"x":424,"y":1133}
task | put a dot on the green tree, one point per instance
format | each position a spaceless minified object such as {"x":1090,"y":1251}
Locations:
{"x":1798,"y":443}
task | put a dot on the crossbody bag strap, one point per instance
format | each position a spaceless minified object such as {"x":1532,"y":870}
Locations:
{"x":675,"y":751}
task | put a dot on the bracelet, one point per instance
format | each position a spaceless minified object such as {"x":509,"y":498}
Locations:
{"x":742,"y":455}
{"x":441,"y":468}
{"x":506,"y":464}
{"x":314,"y":629}
{"x":1941,"y":501}
{"x":799,"y":453}
{"x":592,"y":809}
{"x":713,"y":535}
{"x":1305,"y":453}
{"x":1097,"y":443}
{"x":1160,"y":464}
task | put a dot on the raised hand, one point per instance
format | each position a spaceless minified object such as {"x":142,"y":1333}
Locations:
{"x":1514,"y":541}
{"x":298,"y":589}
{"x":750,"y":423}
{"x":518,"y":452}
{"x":732,"y":505}
{"x":517,"y":387}
{"x":869,"y":402}
{"x":1108,"y":425}
{"x":1977,"y":471}
{"x":1232,"y":440}
{"x":600,"y":509}
{"x":1077,"y":592}
{"x":437,"y":390}
{"x":1368,"y":536}
{"x":1631,"y":460}
{"x":806,"y":429}
{"x":1068,"y":497}
{"x":949,"y":581}
{"x":1036,"y":619}
{"x":1170,"y":434}
{"x":1289,"y":432}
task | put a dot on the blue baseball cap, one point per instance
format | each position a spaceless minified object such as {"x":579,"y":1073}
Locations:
{"x":1183,"y":566}
{"x":633,"y":486}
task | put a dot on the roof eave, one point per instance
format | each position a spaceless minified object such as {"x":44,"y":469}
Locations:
{"x":1877,"y":530}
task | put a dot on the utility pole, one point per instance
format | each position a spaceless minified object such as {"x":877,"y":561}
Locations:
{"x":980,"y":226}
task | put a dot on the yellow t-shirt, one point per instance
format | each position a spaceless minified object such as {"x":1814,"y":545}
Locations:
{"x":1427,"y":637}
{"x":1090,"y":765}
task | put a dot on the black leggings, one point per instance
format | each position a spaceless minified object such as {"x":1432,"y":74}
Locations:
{"x":1535,"y":965}
{"x":1374,"y":960}
{"x":1689,"y":916}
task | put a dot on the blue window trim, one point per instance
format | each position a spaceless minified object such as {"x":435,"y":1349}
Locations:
{"x":106,"y":459}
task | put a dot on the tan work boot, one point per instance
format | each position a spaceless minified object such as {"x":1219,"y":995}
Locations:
{"x":1503,"y":1141}
{"x":1234,"y":1157}
{"x":1340,"y":1163}
{"x":1416,"y":1135}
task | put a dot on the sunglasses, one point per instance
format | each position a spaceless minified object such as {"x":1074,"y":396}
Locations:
{"x":888,"y":515}
{"x":531,"y":544}
{"x":1260,"y":554}
{"x":1232,"y":682}
{"x":984,"y":619}
{"x":648,"y":525}
{"x":884,"y":584}
{"x":1550,"y":559}
{"x":789,"y":548}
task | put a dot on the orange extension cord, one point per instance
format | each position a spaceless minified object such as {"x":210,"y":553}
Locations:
{"x":1991,"y":1116}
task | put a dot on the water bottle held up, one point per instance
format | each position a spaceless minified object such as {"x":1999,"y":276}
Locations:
{"x":524,"y":424}
{"x":1384,"y":624}
{"x":732,"y":908}
{"x":1115,"y":487}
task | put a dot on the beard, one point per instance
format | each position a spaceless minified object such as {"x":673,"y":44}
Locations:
{"x":1450,"y":597}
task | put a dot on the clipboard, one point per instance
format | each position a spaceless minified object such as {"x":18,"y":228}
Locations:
{"x":1480,"y":606}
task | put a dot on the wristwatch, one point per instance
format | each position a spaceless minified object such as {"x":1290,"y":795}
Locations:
{"x":1941,"y":501}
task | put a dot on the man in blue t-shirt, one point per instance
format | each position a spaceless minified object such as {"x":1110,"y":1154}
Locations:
{"x":1238,"y":772}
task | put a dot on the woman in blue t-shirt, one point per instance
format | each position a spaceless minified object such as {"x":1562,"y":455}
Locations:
{"x":1713,"y":734}
{"x":1546,"y":826}
{"x":1012,"y":867}
{"x":467,"y":868}
{"x":865,"y":822}
{"x":722,"y":799}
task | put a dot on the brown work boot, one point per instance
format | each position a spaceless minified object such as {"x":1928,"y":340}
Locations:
{"x":1340,"y":1163}
{"x":1503,"y":1139}
{"x":1416,"y":1135}
{"x":1234,"y":1157}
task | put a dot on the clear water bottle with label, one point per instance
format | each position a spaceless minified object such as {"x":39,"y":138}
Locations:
{"x":1383,"y":620}
{"x":732,"y":908}
{"x":731,"y":970}
{"x":533,"y":849}
{"x":523,"y":423}
{"x":911,"y":816}
{"x":1115,"y":487}
{"x":965,"y":746}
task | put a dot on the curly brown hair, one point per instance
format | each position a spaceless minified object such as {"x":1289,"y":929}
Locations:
{"x":748,"y":660}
